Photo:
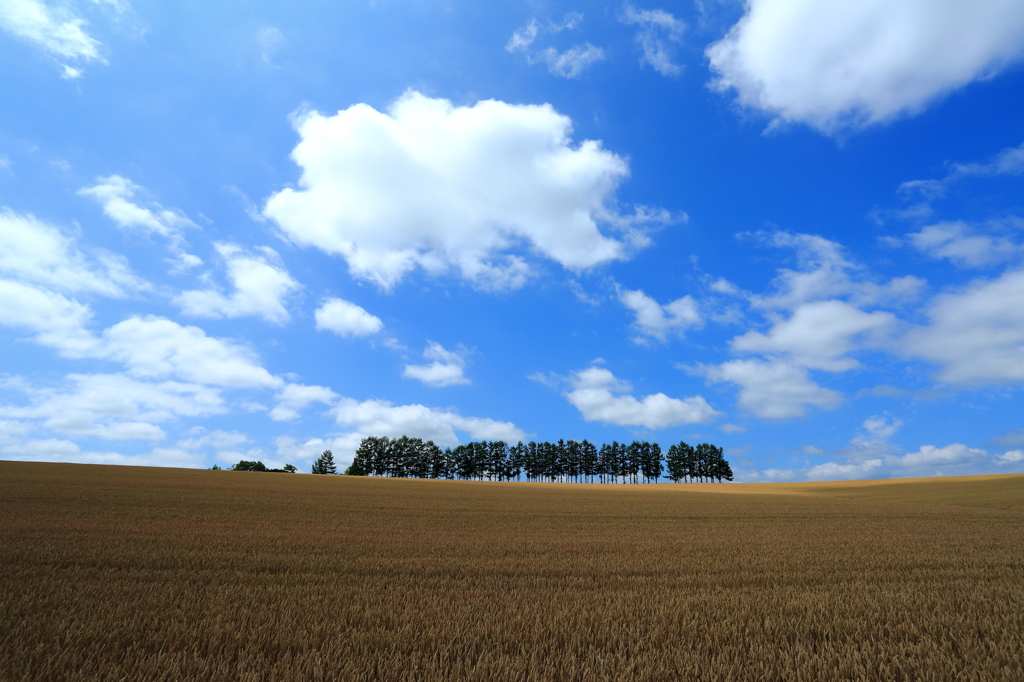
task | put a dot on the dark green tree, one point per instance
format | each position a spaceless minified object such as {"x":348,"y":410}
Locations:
{"x":325,"y":464}
{"x":249,"y":466}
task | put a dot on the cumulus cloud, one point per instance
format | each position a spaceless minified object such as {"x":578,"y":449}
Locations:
{"x":594,"y":394}
{"x":260,"y":282}
{"x":295,"y":397}
{"x":819,"y":335}
{"x":116,"y":194}
{"x":962,"y":245}
{"x":381,"y":418}
{"x":928,"y":460}
{"x":114,"y":406}
{"x":342,"y":447}
{"x":346,"y":319}
{"x":440,"y":187}
{"x":660,"y":321}
{"x":844,"y":65}
{"x":53,"y":319}
{"x":219,"y":440}
{"x":445,"y":370}
{"x":154,"y":347}
{"x":35,"y":252}
{"x":567,"y":64}
{"x":974,"y":334}
{"x":773,"y":389}
{"x":57,"y":30}
{"x":658,"y":30}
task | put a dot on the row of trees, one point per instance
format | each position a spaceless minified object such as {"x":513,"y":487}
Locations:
{"x":245,"y":465}
{"x":564,"y":461}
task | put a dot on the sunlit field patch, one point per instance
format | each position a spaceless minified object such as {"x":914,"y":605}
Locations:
{"x":161,"y":574}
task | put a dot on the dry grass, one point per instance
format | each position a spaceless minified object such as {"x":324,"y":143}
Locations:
{"x":117,"y":573}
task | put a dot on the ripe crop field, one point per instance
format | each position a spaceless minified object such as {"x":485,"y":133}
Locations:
{"x":121,"y":573}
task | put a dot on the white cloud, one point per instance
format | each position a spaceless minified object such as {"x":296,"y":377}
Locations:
{"x":1009,"y":161}
{"x":1012,"y":457}
{"x":346,"y":319}
{"x":823,"y":272}
{"x":962,"y":245}
{"x":56,"y":321}
{"x":57,"y":30}
{"x":428,"y":184}
{"x":53,"y":450}
{"x":658,"y":29}
{"x":343,"y":448}
{"x":773,"y":389}
{"x":659,"y":321}
{"x":260,"y":284}
{"x":219,"y":440}
{"x":270,"y":40}
{"x":295,"y":397}
{"x":115,"y":406}
{"x":154,"y":347}
{"x":35,"y":252}
{"x":116,"y":194}
{"x":928,"y":460}
{"x":381,"y":418}
{"x":572,"y":62}
{"x":976,"y":334}
{"x":445,"y":370}
{"x":819,"y":335}
{"x":593,"y":394}
{"x":567,"y":64}
{"x":731,"y":428}
{"x":836,"y":64}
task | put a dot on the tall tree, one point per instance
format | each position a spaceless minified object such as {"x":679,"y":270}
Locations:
{"x":325,"y":464}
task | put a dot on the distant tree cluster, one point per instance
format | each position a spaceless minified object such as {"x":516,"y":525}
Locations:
{"x":260,"y":466}
{"x":564,"y":461}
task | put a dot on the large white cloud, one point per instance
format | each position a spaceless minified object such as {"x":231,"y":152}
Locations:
{"x":381,"y":418}
{"x":260,"y":282}
{"x":835,"y":64}
{"x":345,"y":318}
{"x":975,"y":335}
{"x":154,"y":347}
{"x":433,"y":185}
{"x":594,"y":394}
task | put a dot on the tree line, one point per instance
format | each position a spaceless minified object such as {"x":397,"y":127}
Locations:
{"x":564,"y":461}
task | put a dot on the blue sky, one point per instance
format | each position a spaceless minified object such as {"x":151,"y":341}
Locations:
{"x":260,"y":230}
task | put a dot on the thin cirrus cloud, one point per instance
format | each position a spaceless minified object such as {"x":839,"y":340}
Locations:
{"x":569,"y":63}
{"x":260,"y":285}
{"x":57,"y":30}
{"x":424,"y":185}
{"x":658,"y":33}
{"x":596,"y":393}
{"x":838,"y":65}
{"x":446,"y":369}
{"x":345,"y":318}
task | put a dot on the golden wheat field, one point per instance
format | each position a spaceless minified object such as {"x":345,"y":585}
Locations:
{"x":122,"y":573}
